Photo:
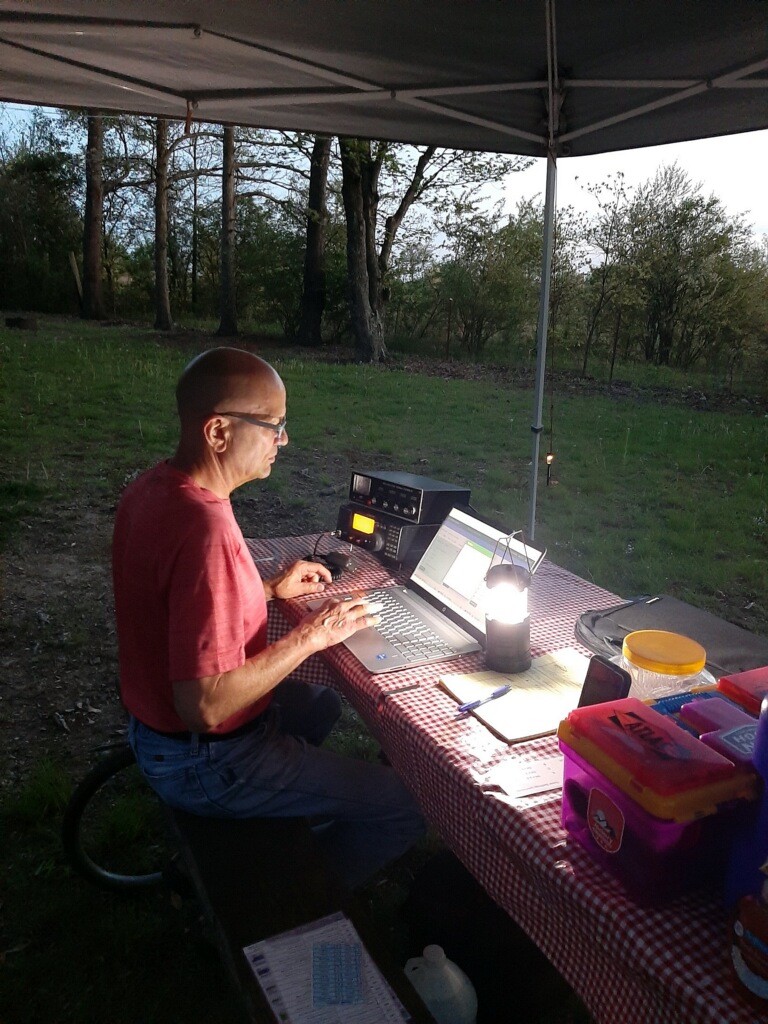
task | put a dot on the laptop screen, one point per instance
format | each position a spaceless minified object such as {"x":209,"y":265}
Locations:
{"x":454,"y":566}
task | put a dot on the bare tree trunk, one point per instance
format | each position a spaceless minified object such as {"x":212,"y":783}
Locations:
{"x":92,"y":307}
{"x":228,"y":300}
{"x":367,"y":269}
{"x":313,"y":295}
{"x":392,"y":224}
{"x":163,"y":318}
{"x":614,"y":349}
{"x":362,"y":270}
{"x":195,"y":216}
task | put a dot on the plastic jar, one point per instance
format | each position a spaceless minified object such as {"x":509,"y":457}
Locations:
{"x":444,"y":988}
{"x":661,"y":663}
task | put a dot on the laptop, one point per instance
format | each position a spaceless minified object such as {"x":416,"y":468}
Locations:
{"x":439,"y":613}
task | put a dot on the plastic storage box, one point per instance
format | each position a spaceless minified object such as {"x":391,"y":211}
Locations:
{"x":648,"y":800}
{"x":746,"y":688}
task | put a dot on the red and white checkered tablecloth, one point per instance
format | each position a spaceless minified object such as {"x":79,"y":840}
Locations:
{"x":629,"y":964}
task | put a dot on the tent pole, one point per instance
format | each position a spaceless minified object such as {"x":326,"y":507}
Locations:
{"x":541,"y":333}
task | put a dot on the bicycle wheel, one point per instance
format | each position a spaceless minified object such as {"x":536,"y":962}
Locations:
{"x":113,"y":830}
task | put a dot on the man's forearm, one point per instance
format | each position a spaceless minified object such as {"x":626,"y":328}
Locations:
{"x":204,"y":703}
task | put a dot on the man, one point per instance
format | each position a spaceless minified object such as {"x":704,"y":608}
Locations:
{"x":217,"y":726}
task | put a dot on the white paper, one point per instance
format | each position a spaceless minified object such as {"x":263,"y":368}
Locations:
{"x":283,"y":967}
{"x":525,"y":776}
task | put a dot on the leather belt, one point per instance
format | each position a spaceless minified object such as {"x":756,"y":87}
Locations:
{"x":211,"y":737}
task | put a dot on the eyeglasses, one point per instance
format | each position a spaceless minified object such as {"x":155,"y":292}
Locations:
{"x":277,"y":428}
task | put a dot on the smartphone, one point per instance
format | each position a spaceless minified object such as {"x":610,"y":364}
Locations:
{"x":604,"y":681}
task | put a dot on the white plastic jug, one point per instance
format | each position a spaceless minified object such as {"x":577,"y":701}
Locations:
{"x":444,"y":988}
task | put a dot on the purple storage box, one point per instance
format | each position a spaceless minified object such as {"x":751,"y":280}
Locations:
{"x":654,"y":859}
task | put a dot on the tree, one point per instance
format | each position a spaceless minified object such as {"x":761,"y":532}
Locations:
{"x":492,"y":276}
{"x":119,"y":164}
{"x":131,"y":161}
{"x":682,"y":246}
{"x":417,"y":308}
{"x":388,"y":180}
{"x":569,"y":259}
{"x":313,"y":290}
{"x":93,"y":297}
{"x":270,"y":258}
{"x":195,"y":226}
{"x":606,"y":239}
{"x":40,"y":223}
{"x":163,"y":318}
{"x":360,"y":168}
{"x":228,"y":284}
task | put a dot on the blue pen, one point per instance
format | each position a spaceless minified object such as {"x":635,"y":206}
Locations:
{"x":484,"y":700}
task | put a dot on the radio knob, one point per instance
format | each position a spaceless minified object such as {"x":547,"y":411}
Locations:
{"x":375,"y":542}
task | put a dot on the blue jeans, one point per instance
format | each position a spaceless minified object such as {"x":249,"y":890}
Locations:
{"x":276,"y":770}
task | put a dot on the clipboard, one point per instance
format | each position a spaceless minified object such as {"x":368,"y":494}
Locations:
{"x":537,"y":701}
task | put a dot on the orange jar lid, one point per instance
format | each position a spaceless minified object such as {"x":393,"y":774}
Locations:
{"x":668,"y":653}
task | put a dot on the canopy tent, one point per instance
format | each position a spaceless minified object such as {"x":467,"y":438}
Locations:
{"x":531,"y":77}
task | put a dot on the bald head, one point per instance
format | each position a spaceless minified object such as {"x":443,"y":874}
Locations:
{"x":220,"y":379}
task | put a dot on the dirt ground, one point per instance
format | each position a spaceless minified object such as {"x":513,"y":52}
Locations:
{"x":58,"y":656}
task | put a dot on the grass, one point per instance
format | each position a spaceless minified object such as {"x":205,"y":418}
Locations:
{"x":644,"y":498}
{"x":641,"y":492}
{"x":661,"y":499}
{"x":82,"y":955}
{"x":74,"y":953}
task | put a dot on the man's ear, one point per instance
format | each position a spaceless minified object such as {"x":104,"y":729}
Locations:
{"x":216,"y":434}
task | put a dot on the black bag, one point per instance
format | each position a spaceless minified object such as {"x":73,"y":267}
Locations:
{"x":729,"y":648}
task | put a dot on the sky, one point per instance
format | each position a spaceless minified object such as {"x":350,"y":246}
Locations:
{"x":734,"y":168}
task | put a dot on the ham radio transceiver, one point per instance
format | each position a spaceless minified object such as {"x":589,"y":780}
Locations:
{"x":396,"y":515}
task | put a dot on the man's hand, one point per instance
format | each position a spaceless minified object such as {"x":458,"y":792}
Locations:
{"x":339,"y":618}
{"x":298,"y":580}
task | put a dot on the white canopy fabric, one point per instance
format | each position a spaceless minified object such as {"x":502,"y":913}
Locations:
{"x":533,"y":77}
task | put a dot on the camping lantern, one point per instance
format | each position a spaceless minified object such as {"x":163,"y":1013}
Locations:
{"x":507,"y":622}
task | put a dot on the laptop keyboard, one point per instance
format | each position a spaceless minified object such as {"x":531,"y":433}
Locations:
{"x":405,"y":631}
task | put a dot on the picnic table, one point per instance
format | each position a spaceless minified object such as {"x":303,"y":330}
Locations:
{"x":665,"y":964}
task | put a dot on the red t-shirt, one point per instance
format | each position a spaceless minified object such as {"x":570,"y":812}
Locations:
{"x":189,"y":601}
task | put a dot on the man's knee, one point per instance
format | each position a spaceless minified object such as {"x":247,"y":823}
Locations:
{"x":308,"y":709}
{"x":329,"y":707}
{"x":326,"y":711}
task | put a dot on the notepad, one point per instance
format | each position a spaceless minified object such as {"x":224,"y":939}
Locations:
{"x":537,"y":701}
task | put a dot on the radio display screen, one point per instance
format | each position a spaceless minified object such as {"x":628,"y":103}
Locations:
{"x":363,"y":524}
